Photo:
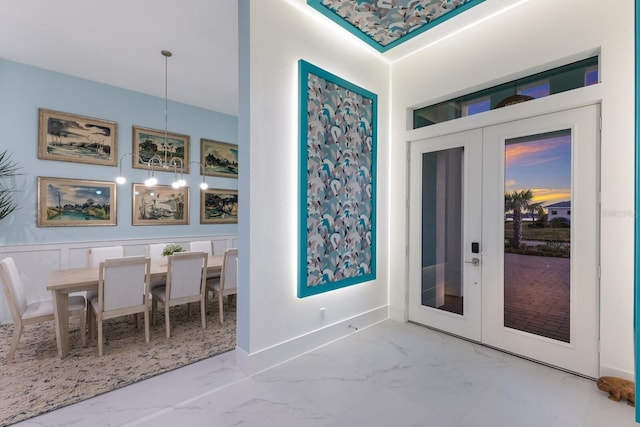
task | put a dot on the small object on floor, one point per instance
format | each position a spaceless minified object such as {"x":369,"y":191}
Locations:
{"x":618,"y":388}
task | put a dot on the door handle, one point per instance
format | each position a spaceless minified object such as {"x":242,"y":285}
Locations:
{"x":475,"y":262}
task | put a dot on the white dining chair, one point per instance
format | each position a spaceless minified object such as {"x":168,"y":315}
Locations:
{"x":99,"y":254}
{"x":24,"y":313}
{"x":120,"y":283}
{"x":227,"y":283}
{"x":154,"y":252}
{"x":186,"y":279}
{"x":201,"y":246}
{"x":96,"y":256}
{"x":205,"y":246}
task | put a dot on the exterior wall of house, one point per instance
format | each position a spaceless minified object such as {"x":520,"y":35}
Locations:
{"x":531,"y":37}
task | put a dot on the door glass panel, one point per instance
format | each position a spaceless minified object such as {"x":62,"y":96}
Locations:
{"x":537,"y":230}
{"x":442,"y":196}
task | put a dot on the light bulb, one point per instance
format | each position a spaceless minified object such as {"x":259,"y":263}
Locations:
{"x":203,"y":186}
{"x":150,"y":182}
{"x":175,"y":184}
{"x":121,"y":180}
{"x":182,"y":183}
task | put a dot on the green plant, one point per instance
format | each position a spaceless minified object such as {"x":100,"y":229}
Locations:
{"x":171,"y":249}
{"x":7,"y":169}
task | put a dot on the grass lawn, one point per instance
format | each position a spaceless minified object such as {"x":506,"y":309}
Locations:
{"x":544,"y":234}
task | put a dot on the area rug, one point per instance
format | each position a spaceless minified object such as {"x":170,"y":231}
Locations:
{"x":38,"y":381}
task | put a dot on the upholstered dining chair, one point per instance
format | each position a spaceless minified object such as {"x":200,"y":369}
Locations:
{"x":123,"y":289}
{"x":205,"y":246}
{"x":154,"y":251}
{"x":35,"y":312}
{"x":186,"y":279}
{"x":96,"y":256}
{"x":201,"y":246}
{"x":227,"y":283}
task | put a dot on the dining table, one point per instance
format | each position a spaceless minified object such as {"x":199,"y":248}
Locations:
{"x":65,"y":281}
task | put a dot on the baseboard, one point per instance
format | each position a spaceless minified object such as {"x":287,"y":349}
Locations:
{"x":608,"y":371}
{"x":287,"y":350}
{"x":398,"y":313}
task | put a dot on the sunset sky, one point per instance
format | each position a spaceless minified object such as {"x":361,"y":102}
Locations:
{"x":542,"y":165}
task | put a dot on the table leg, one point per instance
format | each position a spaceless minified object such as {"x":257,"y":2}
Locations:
{"x":61,"y":314}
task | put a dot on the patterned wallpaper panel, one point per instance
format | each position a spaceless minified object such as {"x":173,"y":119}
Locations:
{"x":386,"y":23}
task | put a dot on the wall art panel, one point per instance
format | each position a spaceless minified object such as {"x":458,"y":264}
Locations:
{"x":338,"y":122}
{"x":384,"y":24}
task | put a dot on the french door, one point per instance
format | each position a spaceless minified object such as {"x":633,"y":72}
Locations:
{"x":503,"y":245}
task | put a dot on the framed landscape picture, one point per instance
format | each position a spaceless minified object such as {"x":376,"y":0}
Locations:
{"x":219,"y":206}
{"x":337,"y":189}
{"x":160,"y":205}
{"x":148,"y":143}
{"x":72,"y":138}
{"x":66,"y":202}
{"x":219,"y":158}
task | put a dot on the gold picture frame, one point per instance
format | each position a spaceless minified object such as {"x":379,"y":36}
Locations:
{"x":65,"y":202}
{"x":73,"y":138}
{"x":218,"y":206}
{"x":159,"y":205}
{"x":148,"y":143}
{"x":219,"y":158}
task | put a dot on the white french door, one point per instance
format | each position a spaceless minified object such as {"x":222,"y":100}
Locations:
{"x":504,"y":237}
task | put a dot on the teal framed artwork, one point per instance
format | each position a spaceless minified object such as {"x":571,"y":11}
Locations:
{"x":337,"y":223}
{"x":384,"y":24}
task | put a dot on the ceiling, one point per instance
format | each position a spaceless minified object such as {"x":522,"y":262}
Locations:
{"x":118,"y":42}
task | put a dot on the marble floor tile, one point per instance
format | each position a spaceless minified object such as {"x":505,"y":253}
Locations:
{"x":391,"y":374}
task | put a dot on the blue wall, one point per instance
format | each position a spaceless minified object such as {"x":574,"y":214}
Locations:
{"x":25,"y":89}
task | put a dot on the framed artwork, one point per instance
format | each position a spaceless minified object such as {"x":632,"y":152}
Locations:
{"x":72,"y":138}
{"x":219,"y":206}
{"x":64,"y":202}
{"x":219,"y":158}
{"x":338,"y":126}
{"x":148,"y":143}
{"x":160,"y":205}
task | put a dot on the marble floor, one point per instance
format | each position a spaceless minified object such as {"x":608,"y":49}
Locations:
{"x":390,"y":374}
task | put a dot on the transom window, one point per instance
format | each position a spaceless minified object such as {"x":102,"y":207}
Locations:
{"x":560,"y":79}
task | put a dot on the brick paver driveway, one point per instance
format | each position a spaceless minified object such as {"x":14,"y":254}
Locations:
{"x":537,"y":295}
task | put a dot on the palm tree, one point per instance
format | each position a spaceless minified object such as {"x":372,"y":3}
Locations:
{"x":518,"y":201}
{"x":7,"y":169}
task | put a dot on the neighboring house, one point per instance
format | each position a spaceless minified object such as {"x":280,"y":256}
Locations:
{"x":559,"y":210}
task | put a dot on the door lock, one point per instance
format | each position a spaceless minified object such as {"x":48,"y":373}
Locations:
{"x":475,"y":262}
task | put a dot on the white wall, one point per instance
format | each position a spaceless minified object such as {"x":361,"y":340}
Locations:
{"x":280,"y":325}
{"x":532,"y":37}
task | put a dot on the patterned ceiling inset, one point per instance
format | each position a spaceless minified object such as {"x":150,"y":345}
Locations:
{"x":386,"y":23}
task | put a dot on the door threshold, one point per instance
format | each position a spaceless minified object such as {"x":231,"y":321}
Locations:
{"x":502,"y":350}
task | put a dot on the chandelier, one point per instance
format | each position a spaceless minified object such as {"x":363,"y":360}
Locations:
{"x":164,"y":162}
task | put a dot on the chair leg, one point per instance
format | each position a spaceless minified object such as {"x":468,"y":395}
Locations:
{"x":220,"y":307}
{"x":100,"y":336}
{"x":146,"y":326}
{"x":83,"y":327}
{"x":90,"y":321}
{"x":17,"y":332}
{"x":154,"y":310}
{"x":203,"y":313}
{"x":166,"y":319}
{"x":188,"y":310}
